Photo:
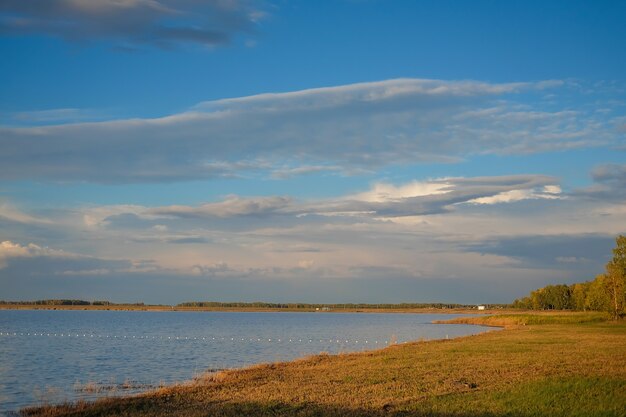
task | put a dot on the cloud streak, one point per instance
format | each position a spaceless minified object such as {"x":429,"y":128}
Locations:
{"x":444,"y":194}
{"x":338,"y":129}
{"x":12,"y":214}
{"x":441,"y":195}
{"x":232,"y":206}
{"x":383,"y":200}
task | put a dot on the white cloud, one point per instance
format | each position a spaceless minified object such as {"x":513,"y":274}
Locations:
{"x":95,"y":217}
{"x":336,"y":129}
{"x":33,"y":258}
{"x":381,"y":191}
{"x":440,"y":195}
{"x":552,"y":189}
{"x":383,"y":200}
{"x":232,"y":206}
{"x":549,"y":192}
{"x":10,"y":213}
{"x":219,"y":268}
{"x":10,"y":250}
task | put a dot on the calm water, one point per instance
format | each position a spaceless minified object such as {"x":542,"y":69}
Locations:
{"x":52,"y":356}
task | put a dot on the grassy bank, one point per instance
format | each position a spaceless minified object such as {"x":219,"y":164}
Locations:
{"x":524,"y":318}
{"x":573,"y":369}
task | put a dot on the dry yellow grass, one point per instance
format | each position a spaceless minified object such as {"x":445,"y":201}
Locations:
{"x":523,"y":318}
{"x":531,"y":370}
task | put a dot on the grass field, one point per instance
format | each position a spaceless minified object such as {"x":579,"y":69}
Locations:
{"x":544,"y":365}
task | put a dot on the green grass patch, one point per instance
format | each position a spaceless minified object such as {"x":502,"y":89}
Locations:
{"x":554,"y":397}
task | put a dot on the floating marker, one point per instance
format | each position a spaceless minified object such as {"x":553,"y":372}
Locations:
{"x":341,"y":342}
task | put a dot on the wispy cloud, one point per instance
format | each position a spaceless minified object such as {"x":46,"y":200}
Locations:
{"x":438,"y":196}
{"x":284,"y":173}
{"x":13,"y":214}
{"x":132,"y":23}
{"x":383,"y":200}
{"x":337,"y":129}
{"x":51,"y":116}
{"x":232,"y":206}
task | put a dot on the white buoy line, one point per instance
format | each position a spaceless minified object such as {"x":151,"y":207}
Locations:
{"x":81,"y":335}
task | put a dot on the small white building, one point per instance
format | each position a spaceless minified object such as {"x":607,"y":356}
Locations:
{"x":481,"y":307}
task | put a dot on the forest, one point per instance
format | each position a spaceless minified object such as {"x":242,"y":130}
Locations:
{"x":607,"y":292}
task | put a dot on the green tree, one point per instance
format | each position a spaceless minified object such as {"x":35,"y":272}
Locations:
{"x":607,"y":292}
{"x":538,"y":299}
{"x":579,"y":294}
{"x":525,"y":303}
{"x":597,"y":298}
{"x":559,"y":297}
{"x":615,"y":278}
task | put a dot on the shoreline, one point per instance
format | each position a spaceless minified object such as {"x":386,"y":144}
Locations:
{"x":522,"y":370}
{"x":217,"y":373}
{"x":151,"y":388}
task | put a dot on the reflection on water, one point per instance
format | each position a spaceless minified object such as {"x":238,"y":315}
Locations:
{"x":53,"y":356}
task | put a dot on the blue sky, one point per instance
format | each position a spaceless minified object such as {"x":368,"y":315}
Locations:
{"x":360,"y":151}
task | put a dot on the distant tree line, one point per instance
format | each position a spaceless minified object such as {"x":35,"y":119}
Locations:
{"x":351,"y":306}
{"x":65,"y":302}
{"x":607,"y":292}
{"x":257,"y":304}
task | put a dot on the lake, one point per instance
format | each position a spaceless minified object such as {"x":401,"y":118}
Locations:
{"x":49,"y":356}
